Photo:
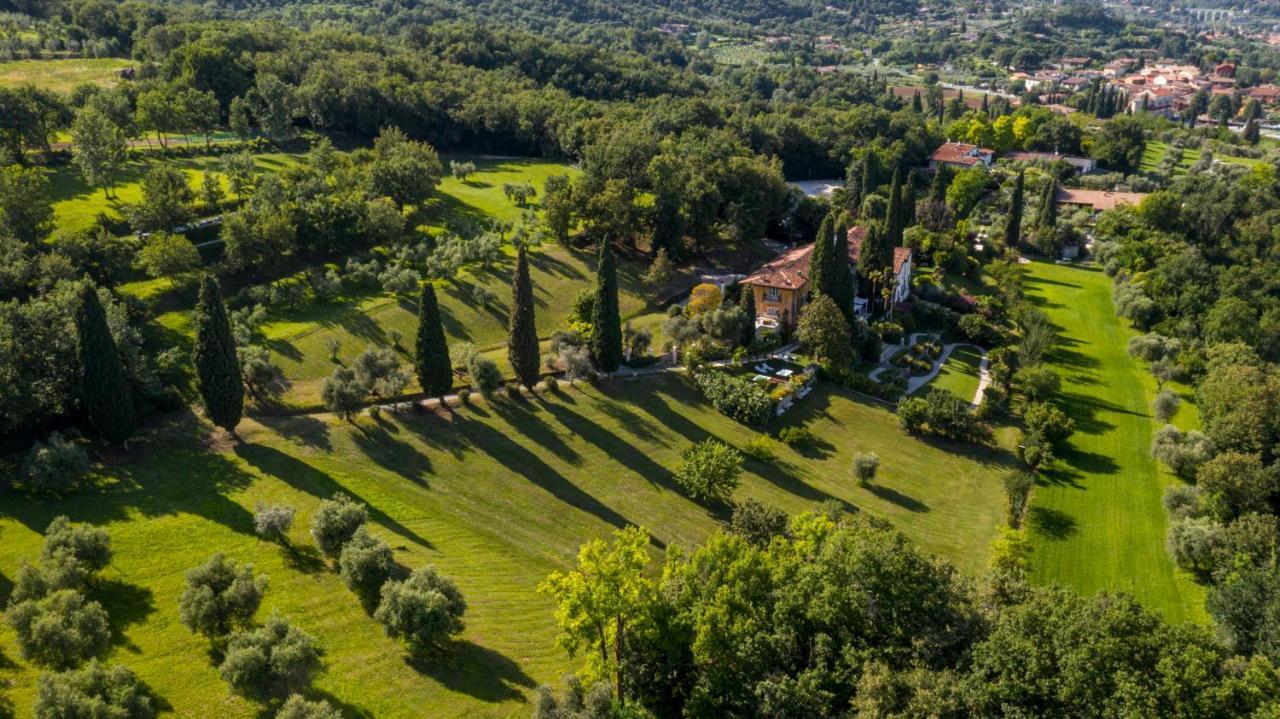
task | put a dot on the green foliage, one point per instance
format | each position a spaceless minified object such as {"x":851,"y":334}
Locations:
{"x":1038,"y":382}
{"x":297,"y":707}
{"x":795,"y":436}
{"x":431,"y":360}
{"x":61,"y":630}
{"x":98,"y":146}
{"x":273,"y":660}
{"x":606,"y":322}
{"x":522,"y":344}
{"x":404,"y":170}
{"x":169,"y":255}
{"x":106,"y":393}
{"x":217,"y":365}
{"x":54,"y":466}
{"x":335,"y":521}
{"x":736,"y":397}
{"x":424,"y":610}
{"x":1233,"y":483}
{"x":709,"y":471}
{"x":967,"y":188}
{"x":824,"y":332}
{"x":943,"y":414}
{"x":1182,"y":452}
{"x":865,"y":466}
{"x":88,"y":545}
{"x":95,"y":692}
{"x":760,"y":448}
{"x":272,"y":521}
{"x":1013,"y":221}
{"x":166,"y":200}
{"x":24,"y":203}
{"x":758,"y":523}
{"x":342,"y":392}
{"x":1017,"y":492}
{"x":1048,"y":421}
{"x":365,"y":563}
{"x":221,"y":595}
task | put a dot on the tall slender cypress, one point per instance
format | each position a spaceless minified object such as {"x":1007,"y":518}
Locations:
{"x":938,"y":188}
{"x":435,"y":374}
{"x":820,"y":260}
{"x":747,"y":303}
{"x":842,"y":290}
{"x":522,"y":344}
{"x":870,"y":175}
{"x":916,"y":107}
{"x":217,"y":367}
{"x":105,"y":390}
{"x":893,"y":217}
{"x":909,"y":202}
{"x":606,"y":321}
{"x":1049,"y":205}
{"x":1013,"y":223}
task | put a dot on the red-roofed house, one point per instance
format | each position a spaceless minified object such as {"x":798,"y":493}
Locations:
{"x":901,"y":263}
{"x":958,"y":154}
{"x":781,"y":285}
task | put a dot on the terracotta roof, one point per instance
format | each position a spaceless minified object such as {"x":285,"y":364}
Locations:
{"x":958,"y":153}
{"x":1098,"y":199}
{"x":858,"y":234}
{"x":788,"y":271}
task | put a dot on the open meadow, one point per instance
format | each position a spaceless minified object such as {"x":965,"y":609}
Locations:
{"x":1097,"y":521}
{"x":62,"y":75}
{"x":497,"y":495}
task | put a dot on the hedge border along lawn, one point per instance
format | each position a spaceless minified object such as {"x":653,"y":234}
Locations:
{"x":1097,"y":518}
{"x":497,"y":496}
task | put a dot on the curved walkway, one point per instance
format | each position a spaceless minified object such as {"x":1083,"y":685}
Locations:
{"x":915,"y":383}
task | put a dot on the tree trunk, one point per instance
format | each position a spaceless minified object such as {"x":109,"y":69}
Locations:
{"x":617,"y":659}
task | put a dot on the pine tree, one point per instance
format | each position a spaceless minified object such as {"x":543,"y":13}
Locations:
{"x":1049,"y":206}
{"x":842,"y":290}
{"x":435,"y":373}
{"x":606,"y":322}
{"x":1013,"y":224}
{"x":105,"y":391}
{"x":893,"y":217}
{"x":217,"y":366}
{"x":747,"y":303}
{"x":522,"y":344}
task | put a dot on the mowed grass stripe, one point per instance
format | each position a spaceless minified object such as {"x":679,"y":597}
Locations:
{"x":497,"y":496}
{"x":1097,"y":519}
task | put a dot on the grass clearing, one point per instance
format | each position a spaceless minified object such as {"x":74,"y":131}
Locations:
{"x":62,"y":75}
{"x":1097,"y":520}
{"x":959,"y":374}
{"x":497,"y":496}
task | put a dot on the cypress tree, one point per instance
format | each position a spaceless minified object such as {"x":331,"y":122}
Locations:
{"x":893,"y":217}
{"x":938,"y":188}
{"x":747,"y":303}
{"x":217,"y":366}
{"x":1049,"y":205}
{"x":909,"y":203}
{"x":1251,"y":133}
{"x":105,"y":391}
{"x":842,"y":290}
{"x":522,"y":344}
{"x":1013,"y":224}
{"x":435,"y":373}
{"x":916,"y":106}
{"x":606,"y":322}
{"x":820,"y":264}
{"x":870,"y":174}
{"x":986,"y":105}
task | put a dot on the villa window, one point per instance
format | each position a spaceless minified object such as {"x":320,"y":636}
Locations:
{"x":773,"y":294}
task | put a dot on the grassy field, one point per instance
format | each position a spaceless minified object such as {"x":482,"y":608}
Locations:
{"x":959,"y":374}
{"x":1097,"y":519}
{"x":1154,"y":151}
{"x":61,"y":75}
{"x":76,"y":205}
{"x":497,"y":496}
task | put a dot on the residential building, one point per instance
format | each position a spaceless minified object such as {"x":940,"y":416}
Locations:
{"x":1098,"y":200}
{"x":781,"y":287}
{"x":961,"y":155}
{"x":902,"y":264}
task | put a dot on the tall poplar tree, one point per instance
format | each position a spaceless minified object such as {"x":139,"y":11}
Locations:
{"x":1013,"y":224}
{"x":522,"y":343}
{"x":105,"y":390}
{"x":606,"y":321}
{"x":217,"y":366}
{"x":431,"y":359}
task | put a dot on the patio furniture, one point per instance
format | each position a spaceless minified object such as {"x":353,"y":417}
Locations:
{"x":785,"y":373}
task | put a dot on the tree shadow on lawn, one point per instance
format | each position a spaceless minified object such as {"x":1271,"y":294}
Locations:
{"x":1090,"y":462}
{"x":893,"y":496}
{"x":360,"y":324}
{"x":6,"y":588}
{"x":523,"y":463}
{"x":614,"y":447}
{"x":1052,"y":524}
{"x":443,"y":206}
{"x":303,"y":429}
{"x":390,"y":453}
{"x":302,"y":476}
{"x":284,"y":348}
{"x":126,"y":604}
{"x":478,"y":672}
{"x":138,"y":485}
{"x":461,"y":293}
{"x":644,"y":429}
{"x":523,"y":417}
{"x":548,"y":263}
{"x":302,"y":558}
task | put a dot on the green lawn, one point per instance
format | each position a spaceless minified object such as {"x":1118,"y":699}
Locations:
{"x":1097,"y":519}
{"x":76,"y":205}
{"x":959,"y":374}
{"x":1154,"y":151}
{"x":497,"y":496}
{"x":61,"y":75}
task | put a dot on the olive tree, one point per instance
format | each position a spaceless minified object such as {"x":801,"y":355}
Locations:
{"x":273,"y":660}
{"x":366,"y":563}
{"x":60,"y":630}
{"x":424,"y":610}
{"x":221,"y":595}
{"x":335,"y":522}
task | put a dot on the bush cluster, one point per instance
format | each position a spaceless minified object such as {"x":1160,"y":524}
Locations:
{"x":736,"y":397}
